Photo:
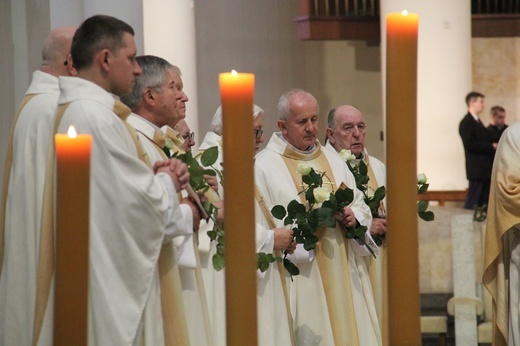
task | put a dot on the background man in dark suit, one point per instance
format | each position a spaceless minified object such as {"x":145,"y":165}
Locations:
{"x":479,"y":151}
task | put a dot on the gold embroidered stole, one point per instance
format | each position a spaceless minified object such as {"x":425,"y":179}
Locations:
{"x":176,"y":138}
{"x":7,"y":173}
{"x":46,"y":249}
{"x":333,"y":266}
{"x":281,"y":270}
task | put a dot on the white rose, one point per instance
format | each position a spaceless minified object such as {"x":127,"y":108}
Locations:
{"x":421,"y":178}
{"x":346,"y":155}
{"x":303,"y":168}
{"x":321,"y":194}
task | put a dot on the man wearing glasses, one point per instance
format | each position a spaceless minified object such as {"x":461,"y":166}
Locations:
{"x":184,"y":130}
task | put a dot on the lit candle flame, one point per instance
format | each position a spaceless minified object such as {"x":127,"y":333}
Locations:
{"x":72,"y":132}
{"x":404,"y":13}
{"x":234,"y":73}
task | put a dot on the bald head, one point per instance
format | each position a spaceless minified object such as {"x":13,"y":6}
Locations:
{"x":56,"y":51}
{"x":346,"y":129}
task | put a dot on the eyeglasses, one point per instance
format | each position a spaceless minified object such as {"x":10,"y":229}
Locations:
{"x":258,"y":134}
{"x":189,"y":136}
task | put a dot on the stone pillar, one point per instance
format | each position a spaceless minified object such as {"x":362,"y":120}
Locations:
{"x":169,"y":32}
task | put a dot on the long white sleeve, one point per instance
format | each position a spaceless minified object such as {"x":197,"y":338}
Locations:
{"x":179,"y":218}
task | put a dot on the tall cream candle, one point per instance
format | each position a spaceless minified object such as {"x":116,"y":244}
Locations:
{"x":72,"y":238}
{"x":401,"y":147}
{"x":237,"y":91}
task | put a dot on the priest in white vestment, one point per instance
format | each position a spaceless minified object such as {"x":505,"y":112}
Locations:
{"x":331,"y":299}
{"x":502,"y":248}
{"x":274,"y":320}
{"x":23,"y":190}
{"x":134,"y":213}
{"x":214,"y":280}
{"x":346,"y":130}
{"x":156,"y":100}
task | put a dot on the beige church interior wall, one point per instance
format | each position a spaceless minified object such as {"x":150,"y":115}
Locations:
{"x":163,"y":23}
{"x":260,"y":38}
{"x":444,"y":77}
{"x":352,"y":71}
{"x":496,"y":70}
{"x":7,"y":77}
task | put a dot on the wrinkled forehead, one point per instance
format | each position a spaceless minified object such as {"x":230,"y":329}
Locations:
{"x":350,"y":116}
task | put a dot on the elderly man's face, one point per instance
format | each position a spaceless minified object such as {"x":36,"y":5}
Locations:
{"x":165,"y":100}
{"x":189,"y":137}
{"x":348,"y":131}
{"x":301,"y":127}
{"x":182,"y":98}
{"x":258,"y":124}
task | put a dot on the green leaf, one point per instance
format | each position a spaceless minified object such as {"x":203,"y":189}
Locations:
{"x":332,"y":203}
{"x":309,"y":246}
{"x":427,"y":215}
{"x":218,"y":262}
{"x":360,"y":231}
{"x":317,"y":179}
{"x":212,"y":235}
{"x":363,"y":169}
{"x":290,"y":267}
{"x":278,"y":212}
{"x":287,"y":221}
{"x":423,"y":188}
{"x":422,"y":206}
{"x":344,"y":196}
{"x":312,"y":239}
{"x":350,"y":233}
{"x":304,"y":228}
{"x":209,"y":172}
{"x":294,"y":207}
{"x":209,"y":156}
{"x":309,"y":195}
{"x":380,"y":193}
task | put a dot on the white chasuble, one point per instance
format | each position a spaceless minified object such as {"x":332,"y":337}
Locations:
{"x":192,"y":282}
{"x":214,"y":281}
{"x":331,"y":300}
{"x":274,"y":315}
{"x":130,"y":219}
{"x":24,"y":183}
{"x":377,"y":267}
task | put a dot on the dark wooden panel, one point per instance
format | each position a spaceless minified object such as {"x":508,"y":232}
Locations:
{"x":495,"y":25}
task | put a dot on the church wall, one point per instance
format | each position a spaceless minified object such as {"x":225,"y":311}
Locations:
{"x":7,"y":105}
{"x":496,"y":70}
{"x":261,"y":38}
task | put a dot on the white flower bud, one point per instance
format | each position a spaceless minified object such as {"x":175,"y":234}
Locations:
{"x":346,"y":155}
{"x":321,"y":194}
{"x":303,"y":168}
{"x":421,"y":178}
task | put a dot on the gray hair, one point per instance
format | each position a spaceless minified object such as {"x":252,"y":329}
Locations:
{"x":284,"y":108}
{"x":153,"y":76}
{"x":216,"y":122}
